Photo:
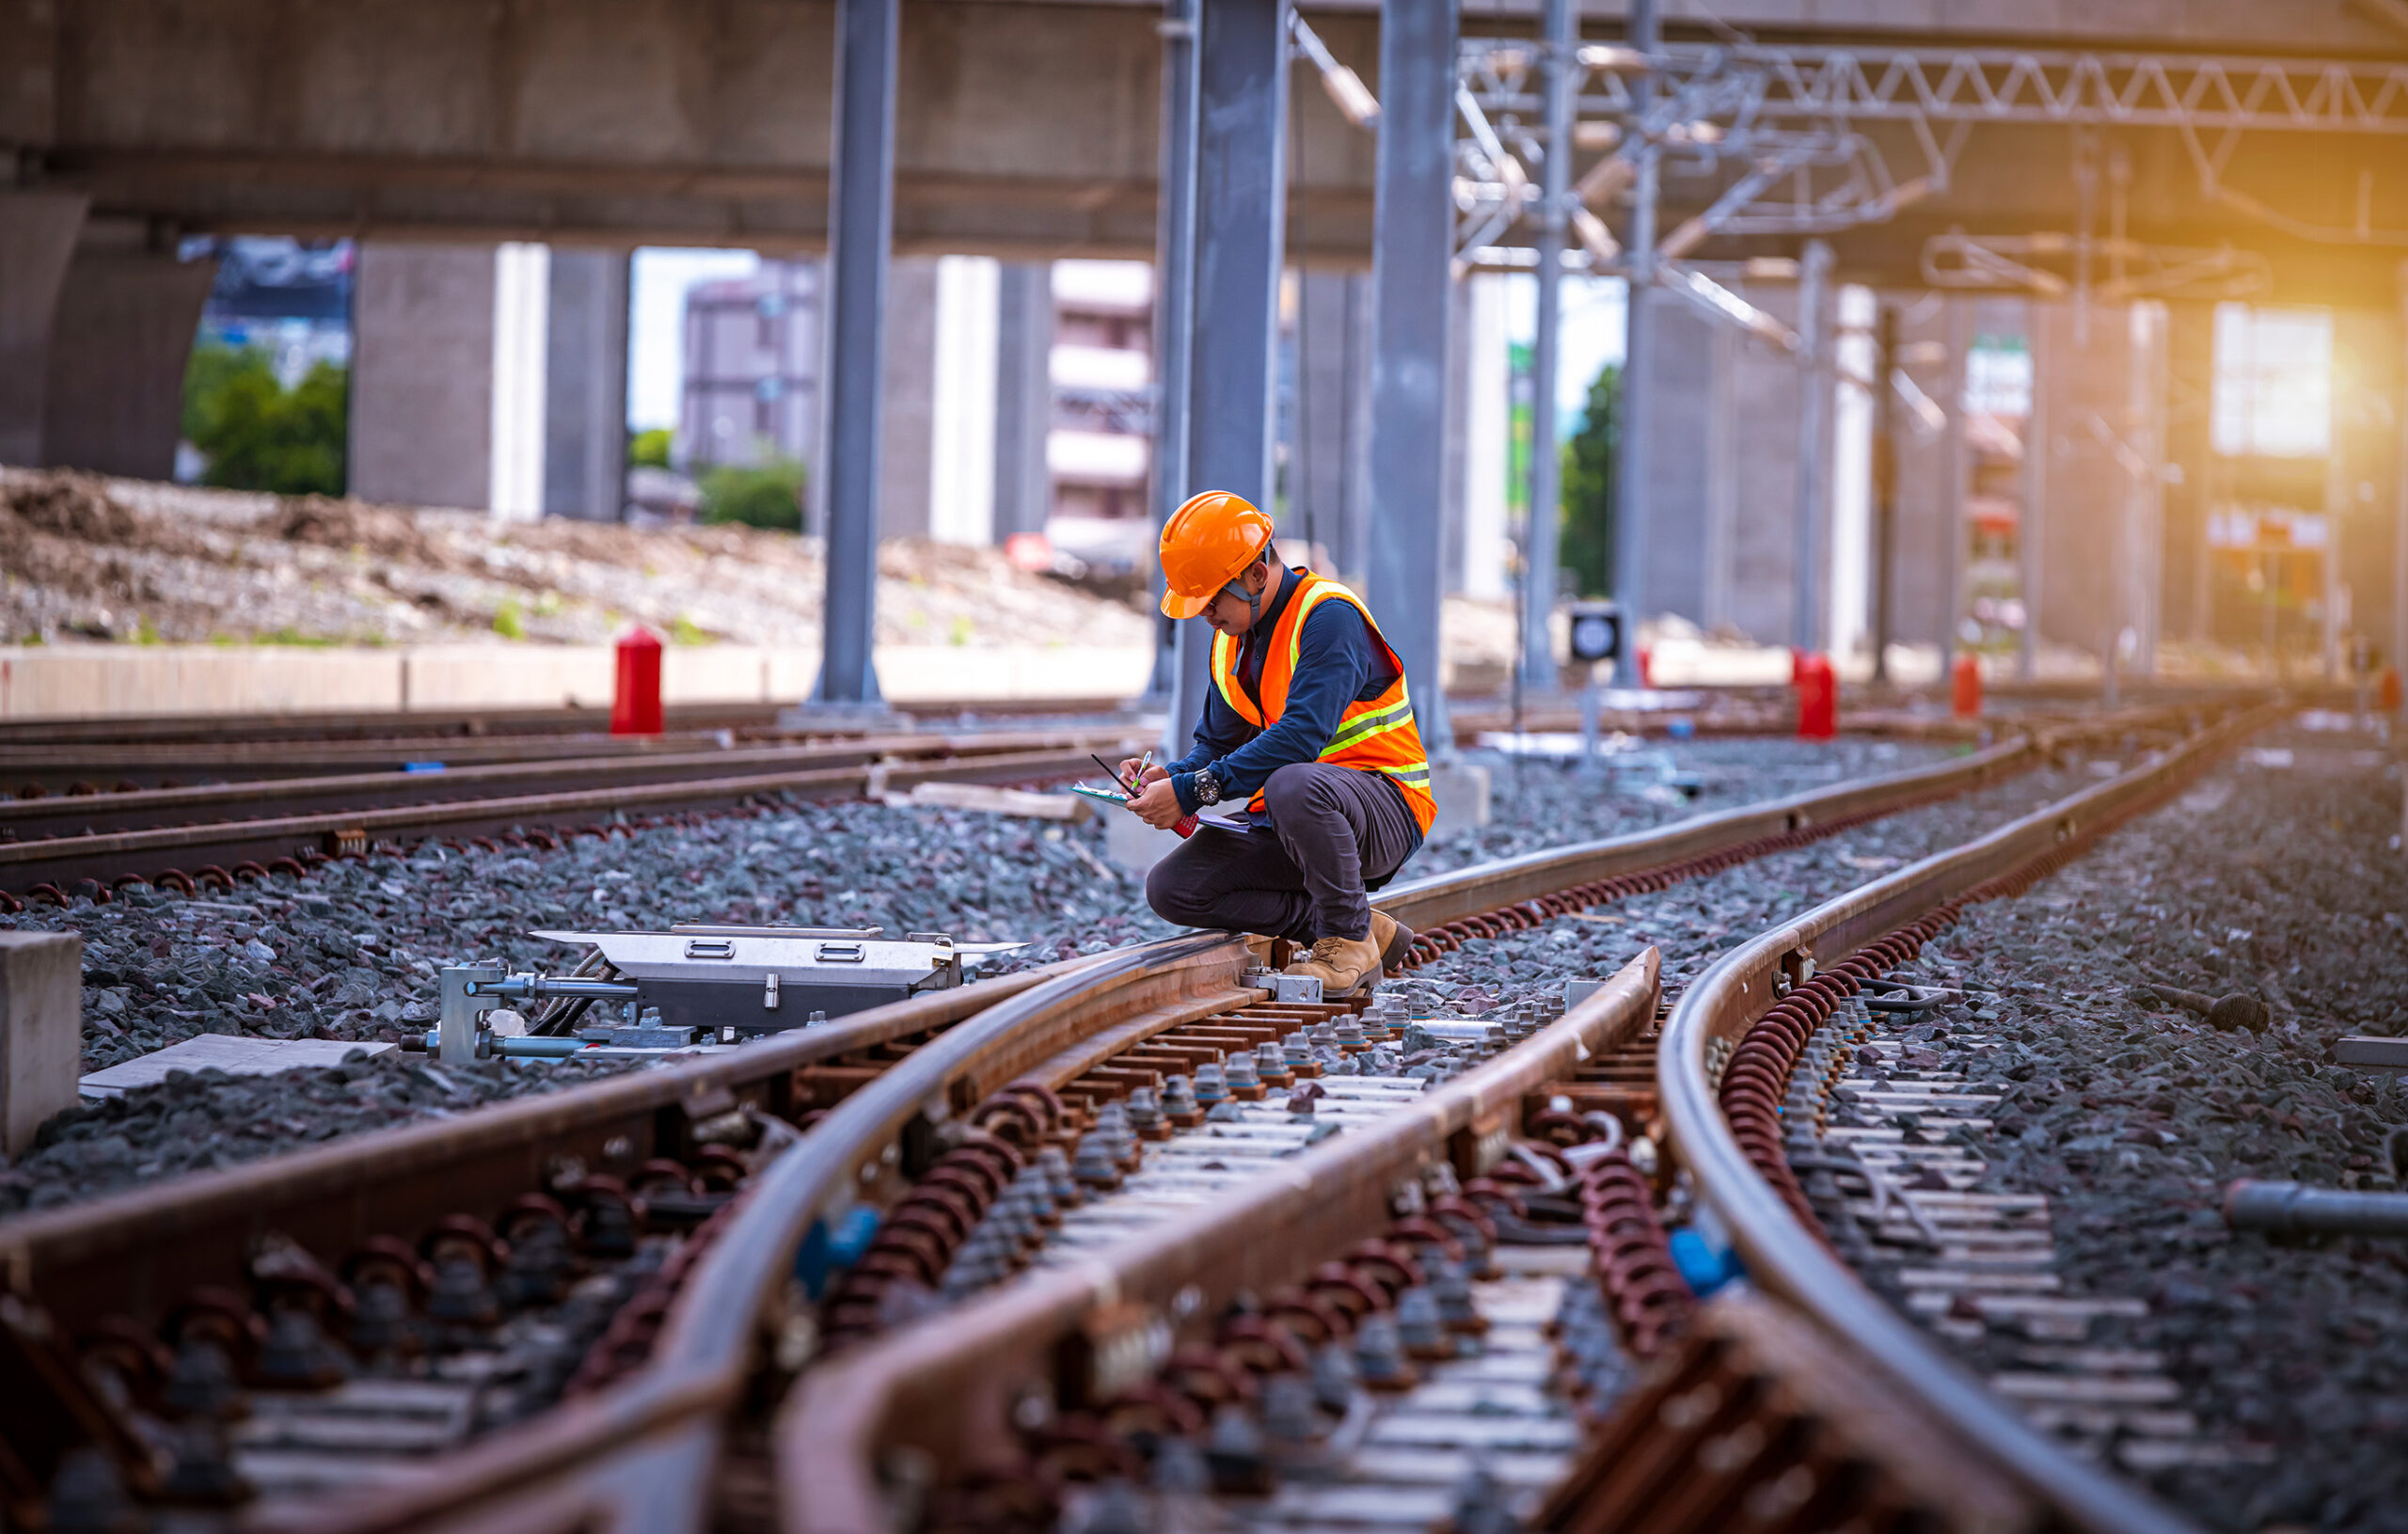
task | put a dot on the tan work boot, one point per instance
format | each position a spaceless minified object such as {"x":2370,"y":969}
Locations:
{"x":1342,"y":965}
{"x":1392,"y":937}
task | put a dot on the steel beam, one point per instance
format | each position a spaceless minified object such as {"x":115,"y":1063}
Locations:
{"x":1539,"y":538}
{"x":1807,"y":632}
{"x":861,"y":227}
{"x":1411,"y":244}
{"x":1631,"y":508}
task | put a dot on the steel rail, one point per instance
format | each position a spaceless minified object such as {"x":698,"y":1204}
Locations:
{"x":65,"y":861}
{"x":145,"y":809}
{"x":138,"y":1252}
{"x":947,"y":1380}
{"x":707,"y":1352}
{"x":671,"y":1412}
{"x":1787,"y":1259}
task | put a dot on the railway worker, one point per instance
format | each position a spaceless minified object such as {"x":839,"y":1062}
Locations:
{"x":1309,"y":724}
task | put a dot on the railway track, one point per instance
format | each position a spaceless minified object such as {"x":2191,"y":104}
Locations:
{"x":186,"y":837}
{"x":599,"y":1290}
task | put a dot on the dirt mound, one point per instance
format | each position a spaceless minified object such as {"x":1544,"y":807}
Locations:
{"x":384,"y":531}
{"x":74,"y":506}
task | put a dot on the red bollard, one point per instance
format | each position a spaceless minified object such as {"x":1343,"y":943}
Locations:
{"x":635,"y":707}
{"x":1965,"y":687}
{"x":2389,"y":690}
{"x":1646,"y":666}
{"x":1818,"y":698}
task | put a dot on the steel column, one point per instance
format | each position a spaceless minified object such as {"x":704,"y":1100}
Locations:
{"x":1412,"y":242}
{"x":1959,"y":311}
{"x":1539,"y":537}
{"x":861,"y":229}
{"x":1175,"y":657}
{"x":1630,"y":475}
{"x":1806,"y":629}
{"x":2031,"y":526}
{"x":1233,"y":380}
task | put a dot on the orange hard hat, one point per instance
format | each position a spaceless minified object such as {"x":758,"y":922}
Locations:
{"x":1206,"y":544}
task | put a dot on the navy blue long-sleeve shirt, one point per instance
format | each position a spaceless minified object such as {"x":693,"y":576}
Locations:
{"x":1337,"y":665}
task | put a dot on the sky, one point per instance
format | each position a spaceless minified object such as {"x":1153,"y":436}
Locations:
{"x":656,"y":322}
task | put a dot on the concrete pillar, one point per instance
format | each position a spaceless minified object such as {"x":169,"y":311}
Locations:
{"x":119,"y":345}
{"x":1808,"y":628}
{"x":907,"y":423}
{"x":861,"y":238}
{"x":2143,"y":463}
{"x":1332,"y":453}
{"x":1024,"y":397}
{"x":2032,"y":520}
{"x":585,"y":385}
{"x":2190,"y":370}
{"x":422,"y":376}
{"x":1242,"y":160}
{"x":1955,"y":467}
{"x":2084,"y":390}
{"x":37,"y":233}
{"x":1674,"y":496}
{"x":2398,"y":655}
{"x":962,"y":403}
{"x":41,"y":1031}
{"x":1760,"y":407}
{"x":1412,"y":224}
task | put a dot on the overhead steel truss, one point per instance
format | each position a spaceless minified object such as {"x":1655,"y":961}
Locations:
{"x":1793,"y":121}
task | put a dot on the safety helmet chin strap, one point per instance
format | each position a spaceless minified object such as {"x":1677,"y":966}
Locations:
{"x":1253,"y":600}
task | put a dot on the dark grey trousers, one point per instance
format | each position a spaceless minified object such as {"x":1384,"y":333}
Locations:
{"x":1301,"y":877}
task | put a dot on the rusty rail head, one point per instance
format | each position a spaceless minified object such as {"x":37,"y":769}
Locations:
{"x":1442,"y":897}
{"x":945,"y":1381}
{"x":1785,"y":1258}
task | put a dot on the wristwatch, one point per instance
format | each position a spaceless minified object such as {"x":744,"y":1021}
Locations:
{"x":1208,"y":786}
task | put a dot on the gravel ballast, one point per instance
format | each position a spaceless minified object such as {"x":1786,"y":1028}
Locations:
{"x":351,"y":952}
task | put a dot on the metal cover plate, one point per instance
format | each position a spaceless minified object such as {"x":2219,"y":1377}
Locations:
{"x":811,"y":958}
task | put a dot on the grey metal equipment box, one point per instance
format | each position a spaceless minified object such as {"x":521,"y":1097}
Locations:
{"x":763,"y":980}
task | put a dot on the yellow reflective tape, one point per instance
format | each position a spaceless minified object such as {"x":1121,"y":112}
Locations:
{"x":1363,"y":725}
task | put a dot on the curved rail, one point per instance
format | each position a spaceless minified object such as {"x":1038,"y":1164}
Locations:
{"x":732,"y":1309}
{"x":1791,"y":1261}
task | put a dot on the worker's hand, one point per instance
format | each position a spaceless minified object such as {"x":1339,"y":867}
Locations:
{"x":1129,"y":772}
{"x":1158,"y":806}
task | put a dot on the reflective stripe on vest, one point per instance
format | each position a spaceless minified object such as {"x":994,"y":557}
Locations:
{"x":1374,"y":735}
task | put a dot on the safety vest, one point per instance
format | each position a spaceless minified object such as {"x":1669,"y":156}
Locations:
{"x":1374,"y":737}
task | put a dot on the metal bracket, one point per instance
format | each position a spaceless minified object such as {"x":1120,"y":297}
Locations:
{"x":463,"y":1015}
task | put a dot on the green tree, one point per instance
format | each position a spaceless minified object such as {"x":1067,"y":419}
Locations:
{"x":1588,"y":531}
{"x":767,"y":494}
{"x":257,"y":434}
{"x":649,"y":450}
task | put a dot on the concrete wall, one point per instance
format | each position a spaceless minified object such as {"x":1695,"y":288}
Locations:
{"x":421,"y":380}
{"x":1024,"y":397}
{"x":85,"y":681}
{"x":1762,"y":444}
{"x":119,"y":343}
{"x":1329,"y":462}
{"x":908,"y":425}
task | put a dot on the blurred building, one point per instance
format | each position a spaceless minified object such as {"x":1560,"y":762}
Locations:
{"x":751,"y":354}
